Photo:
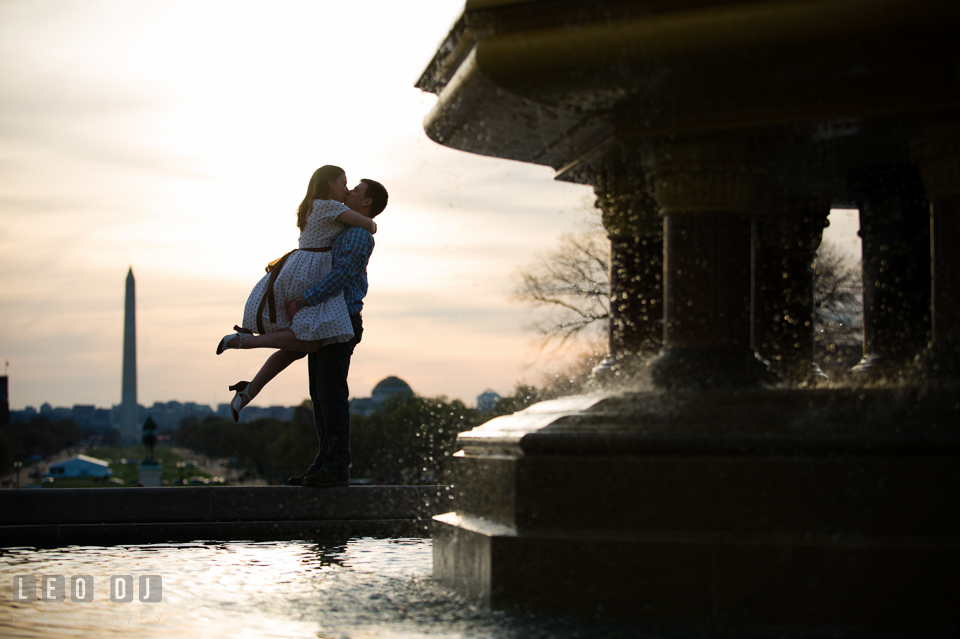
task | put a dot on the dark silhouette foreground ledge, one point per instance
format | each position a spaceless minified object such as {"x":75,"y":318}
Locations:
{"x":98,"y":516}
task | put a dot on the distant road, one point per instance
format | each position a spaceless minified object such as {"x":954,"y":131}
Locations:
{"x":213,"y":467}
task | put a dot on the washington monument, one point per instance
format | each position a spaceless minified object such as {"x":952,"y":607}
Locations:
{"x":128,"y":405}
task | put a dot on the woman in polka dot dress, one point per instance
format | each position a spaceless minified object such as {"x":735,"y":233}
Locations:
{"x":321,"y":218}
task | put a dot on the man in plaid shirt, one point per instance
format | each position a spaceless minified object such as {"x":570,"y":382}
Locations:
{"x":328,"y":367}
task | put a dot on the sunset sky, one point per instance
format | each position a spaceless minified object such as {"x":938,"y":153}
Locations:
{"x":178,"y":137}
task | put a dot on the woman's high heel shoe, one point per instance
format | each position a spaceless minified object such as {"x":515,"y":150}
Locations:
{"x":223,"y":345}
{"x":242,"y":389}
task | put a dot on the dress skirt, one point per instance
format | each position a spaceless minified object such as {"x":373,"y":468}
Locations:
{"x":328,"y":321}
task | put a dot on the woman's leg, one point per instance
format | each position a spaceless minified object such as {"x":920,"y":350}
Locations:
{"x":274,"y":365}
{"x":281,"y":340}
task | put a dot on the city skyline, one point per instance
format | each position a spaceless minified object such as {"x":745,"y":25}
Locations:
{"x":168,"y":414}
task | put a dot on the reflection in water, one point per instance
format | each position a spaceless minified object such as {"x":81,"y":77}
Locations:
{"x":358,"y":588}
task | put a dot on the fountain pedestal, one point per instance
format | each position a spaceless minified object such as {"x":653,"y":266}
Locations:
{"x":937,"y":152}
{"x":749,"y":506}
{"x":895,"y":229}
{"x":635,"y":229}
{"x":150,"y":473}
{"x":711,"y":508}
{"x":787,"y":234}
{"x":706,"y":191}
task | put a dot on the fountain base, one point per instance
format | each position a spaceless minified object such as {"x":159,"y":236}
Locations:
{"x":826,"y":508}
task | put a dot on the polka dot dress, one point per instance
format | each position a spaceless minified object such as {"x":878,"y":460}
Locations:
{"x":329,"y":321}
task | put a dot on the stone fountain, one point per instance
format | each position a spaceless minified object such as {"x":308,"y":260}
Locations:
{"x":717,"y":480}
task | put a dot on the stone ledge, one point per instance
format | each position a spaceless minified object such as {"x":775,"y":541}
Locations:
{"x":874,"y":584}
{"x":56,"y":535}
{"x":222,"y":504}
{"x":482,"y":526}
{"x":747,"y":422}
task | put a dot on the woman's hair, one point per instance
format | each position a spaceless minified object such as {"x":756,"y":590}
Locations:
{"x":319,"y":189}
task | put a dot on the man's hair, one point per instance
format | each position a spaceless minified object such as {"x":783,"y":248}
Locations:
{"x":378,"y":194}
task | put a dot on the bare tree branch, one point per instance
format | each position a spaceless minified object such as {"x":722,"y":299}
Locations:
{"x":571,"y":284}
{"x":838,"y":297}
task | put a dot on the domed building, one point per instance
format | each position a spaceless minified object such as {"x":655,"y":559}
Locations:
{"x":384,"y":390}
{"x":388,"y":387}
{"x":487,"y":401}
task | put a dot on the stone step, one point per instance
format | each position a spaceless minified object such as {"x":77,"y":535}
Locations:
{"x":720,"y":493}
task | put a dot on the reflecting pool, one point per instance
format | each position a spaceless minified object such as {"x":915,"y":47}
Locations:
{"x":356,"y":588}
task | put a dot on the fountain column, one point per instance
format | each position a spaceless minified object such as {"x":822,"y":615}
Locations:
{"x":937,"y":152}
{"x":706,"y":192}
{"x":788,"y":232}
{"x":896,"y":267}
{"x":635,"y":230}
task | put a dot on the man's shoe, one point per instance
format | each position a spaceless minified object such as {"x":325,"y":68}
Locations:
{"x":323,"y":479}
{"x":298,"y":479}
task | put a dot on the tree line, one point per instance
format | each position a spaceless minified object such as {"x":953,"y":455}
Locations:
{"x":407,"y":440}
{"x":42,"y":436}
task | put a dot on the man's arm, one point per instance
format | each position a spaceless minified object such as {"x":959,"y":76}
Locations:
{"x":351,"y":252}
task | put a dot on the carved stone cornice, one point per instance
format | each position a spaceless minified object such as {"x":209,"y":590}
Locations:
{"x":791,"y":223}
{"x":623,"y":197}
{"x":936,"y":150}
{"x":699,"y":177}
{"x":631,"y":214}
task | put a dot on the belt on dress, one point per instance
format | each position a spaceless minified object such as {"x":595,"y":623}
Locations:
{"x":269,"y":298}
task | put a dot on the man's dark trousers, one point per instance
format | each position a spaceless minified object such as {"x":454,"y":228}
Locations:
{"x":328,"y":369}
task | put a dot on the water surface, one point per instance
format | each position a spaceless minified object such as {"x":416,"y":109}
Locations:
{"x":358,"y":588}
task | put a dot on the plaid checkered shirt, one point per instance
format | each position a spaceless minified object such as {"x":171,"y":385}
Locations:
{"x":351,"y":252}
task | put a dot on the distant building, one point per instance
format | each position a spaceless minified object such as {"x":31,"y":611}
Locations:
{"x":197,"y":410}
{"x":80,"y":466}
{"x":25,"y":415}
{"x":55,"y":414}
{"x":253,"y":413}
{"x":116,"y":415}
{"x":91,"y":419}
{"x":487,"y":401}
{"x":384,"y":390}
{"x":88,"y":417}
{"x":83,"y":413}
{"x":388,"y":387}
{"x":168,"y":415}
